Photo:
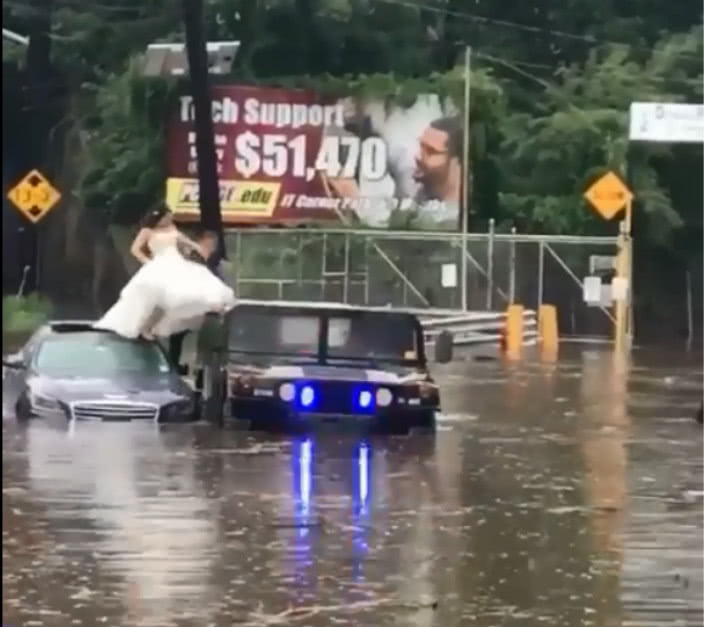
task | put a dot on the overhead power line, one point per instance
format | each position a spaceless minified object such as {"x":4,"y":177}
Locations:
{"x":472,"y":17}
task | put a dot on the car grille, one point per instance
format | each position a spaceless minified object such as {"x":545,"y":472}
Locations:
{"x":338,"y":397}
{"x":114,"y":410}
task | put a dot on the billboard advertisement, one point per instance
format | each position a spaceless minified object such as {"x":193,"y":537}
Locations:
{"x":290,"y":157}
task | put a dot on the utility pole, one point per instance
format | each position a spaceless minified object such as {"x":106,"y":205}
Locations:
{"x":209,"y":190}
{"x":37,"y":107}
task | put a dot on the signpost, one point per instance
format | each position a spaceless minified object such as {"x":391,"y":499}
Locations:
{"x":34,"y":196}
{"x":608,"y":195}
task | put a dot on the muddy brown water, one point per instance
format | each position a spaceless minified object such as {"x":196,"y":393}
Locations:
{"x":560,"y":494}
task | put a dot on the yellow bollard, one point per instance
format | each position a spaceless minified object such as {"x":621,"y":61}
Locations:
{"x":547,"y":329}
{"x":514,"y":330}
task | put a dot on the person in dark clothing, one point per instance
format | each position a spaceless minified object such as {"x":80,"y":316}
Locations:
{"x":210,"y":257}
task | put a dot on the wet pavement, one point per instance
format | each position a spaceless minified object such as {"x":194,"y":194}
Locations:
{"x":560,"y":494}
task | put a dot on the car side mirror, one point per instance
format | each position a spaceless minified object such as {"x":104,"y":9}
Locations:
{"x":444,"y":347}
{"x":16,"y":362}
{"x":183,"y":369}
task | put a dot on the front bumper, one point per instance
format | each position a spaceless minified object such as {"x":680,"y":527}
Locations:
{"x":333,"y":401}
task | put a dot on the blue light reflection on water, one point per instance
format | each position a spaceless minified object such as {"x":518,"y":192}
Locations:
{"x":303,"y":488}
{"x":362,"y":474}
{"x":301,"y":549}
{"x":303,"y":480}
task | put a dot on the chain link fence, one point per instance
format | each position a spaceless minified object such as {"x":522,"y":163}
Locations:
{"x":406,"y":270}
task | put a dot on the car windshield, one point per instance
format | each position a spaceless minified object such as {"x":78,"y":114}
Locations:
{"x":98,"y":355}
{"x":272,"y":332}
{"x":354,"y":335}
{"x":372,"y":335}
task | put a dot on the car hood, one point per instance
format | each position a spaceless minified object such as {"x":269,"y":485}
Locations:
{"x":346,"y":373}
{"x":161,"y":389}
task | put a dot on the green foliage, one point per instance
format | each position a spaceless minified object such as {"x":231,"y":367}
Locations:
{"x":579,"y":129}
{"x":549,"y":112}
{"x":126,"y":147}
{"x":23,"y":314}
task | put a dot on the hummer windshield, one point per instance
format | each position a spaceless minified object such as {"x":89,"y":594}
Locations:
{"x":351,"y":335}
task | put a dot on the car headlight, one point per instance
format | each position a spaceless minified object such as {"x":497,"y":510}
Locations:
{"x":384,"y":397}
{"x":45,"y":403}
{"x":287,"y":392}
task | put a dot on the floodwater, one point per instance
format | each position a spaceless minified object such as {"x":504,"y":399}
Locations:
{"x":559,"y":494}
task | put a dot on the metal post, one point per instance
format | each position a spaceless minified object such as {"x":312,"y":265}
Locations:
{"x":512,"y":269}
{"x":323,"y":271}
{"x":631,"y":322}
{"x":541,"y":270}
{"x":366,"y":270}
{"x":690,"y":315}
{"x":300,"y":262}
{"x":238,"y":263}
{"x":346,"y":277}
{"x":405,"y":293}
{"x":490,"y":267}
{"x":465,"y":170}
{"x":620,"y":328}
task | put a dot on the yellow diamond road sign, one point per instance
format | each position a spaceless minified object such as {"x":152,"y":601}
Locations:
{"x":608,"y":195}
{"x":34,"y":196}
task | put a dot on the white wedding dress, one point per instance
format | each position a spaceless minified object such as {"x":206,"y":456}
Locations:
{"x":182,"y":290}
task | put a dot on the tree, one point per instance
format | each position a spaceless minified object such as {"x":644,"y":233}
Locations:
{"x":579,"y":129}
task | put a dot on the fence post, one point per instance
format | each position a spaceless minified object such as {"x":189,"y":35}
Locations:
{"x":541,"y":271}
{"x":323,"y":271}
{"x":300,"y":262}
{"x":512,"y":268}
{"x":490,"y":266}
{"x":690,"y":315}
{"x":238,"y":264}
{"x":366,"y":270}
{"x":282,"y":256}
{"x":346,"y":277}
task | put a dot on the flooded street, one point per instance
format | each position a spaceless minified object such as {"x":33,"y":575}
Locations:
{"x":560,"y":494}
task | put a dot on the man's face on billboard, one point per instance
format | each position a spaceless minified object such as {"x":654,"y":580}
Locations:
{"x":433,"y":158}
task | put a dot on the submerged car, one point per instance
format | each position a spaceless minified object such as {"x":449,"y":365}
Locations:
{"x":70,"y":370}
{"x":287,"y":366}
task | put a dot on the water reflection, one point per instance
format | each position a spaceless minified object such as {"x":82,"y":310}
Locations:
{"x":361,"y":473}
{"x":551,"y":494}
{"x":302,"y":477}
{"x":142,"y":517}
{"x":603,"y":431}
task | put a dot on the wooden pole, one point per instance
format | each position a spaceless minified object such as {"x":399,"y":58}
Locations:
{"x":196,"y":50}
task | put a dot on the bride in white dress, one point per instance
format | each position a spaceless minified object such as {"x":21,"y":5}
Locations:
{"x":169,"y":293}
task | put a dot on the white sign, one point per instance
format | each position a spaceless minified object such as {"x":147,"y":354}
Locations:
{"x":601,"y":263}
{"x":591,"y":289}
{"x":619,"y":289}
{"x":449,"y":275}
{"x":668,"y":123}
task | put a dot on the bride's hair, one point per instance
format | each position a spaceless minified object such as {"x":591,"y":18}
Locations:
{"x":153,"y":217}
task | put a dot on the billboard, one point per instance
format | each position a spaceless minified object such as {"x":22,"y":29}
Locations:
{"x":293,"y":156}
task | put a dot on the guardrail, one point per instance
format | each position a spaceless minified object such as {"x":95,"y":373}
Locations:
{"x":477,"y":327}
{"x":472,"y":327}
